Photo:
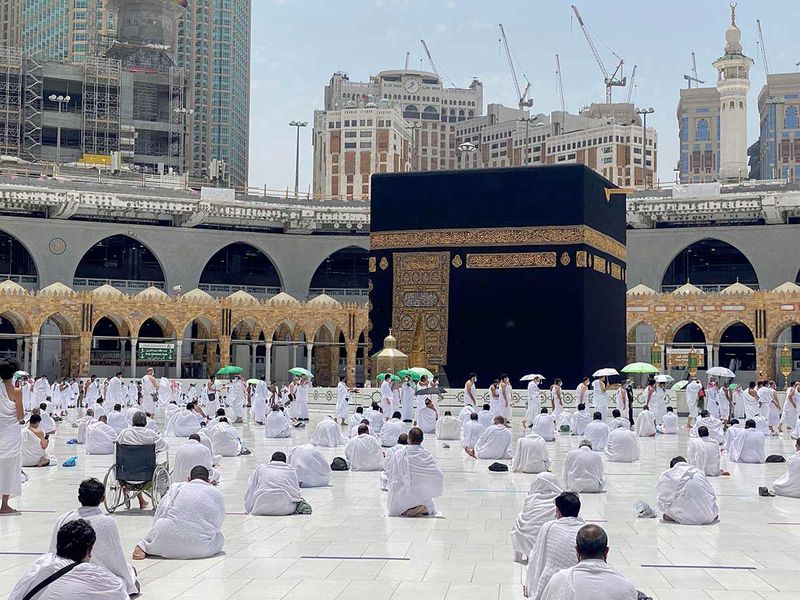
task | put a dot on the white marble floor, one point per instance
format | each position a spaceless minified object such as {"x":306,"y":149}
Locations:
{"x":348,"y":549}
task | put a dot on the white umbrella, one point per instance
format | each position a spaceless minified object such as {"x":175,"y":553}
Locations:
{"x":664,"y":379}
{"x":531,"y":377}
{"x":605,"y":372}
{"x":680,"y":385}
{"x":721,"y":372}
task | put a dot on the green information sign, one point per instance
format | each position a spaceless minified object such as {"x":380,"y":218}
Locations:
{"x":156,"y":352}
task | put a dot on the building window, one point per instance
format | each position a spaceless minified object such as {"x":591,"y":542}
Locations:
{"x":790,"y":118}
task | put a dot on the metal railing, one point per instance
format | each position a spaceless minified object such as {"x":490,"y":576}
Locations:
{"x":713,"y":288}
{"x":219,"y":289}
{"x":130,"y":285}
{"x":23,"y":280}
{"x":350,"y":294}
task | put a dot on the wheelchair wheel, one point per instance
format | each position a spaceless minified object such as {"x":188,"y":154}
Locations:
{"x":113,"y":490}
{"x":160,"y":484}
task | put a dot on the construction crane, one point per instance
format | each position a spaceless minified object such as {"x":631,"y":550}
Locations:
{"x":430,"y":58}
{"x":631,"y":85}
{"x":693,"y":77}
{"x":522,"y":95}
{"x":764,"y":57}
{"x":408,"y":55}
{"x":560,"y":85}
{"x":616,"y":79}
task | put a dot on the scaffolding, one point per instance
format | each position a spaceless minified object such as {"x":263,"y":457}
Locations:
{"x":10,"y":100}
{"x":178,"y":117}
{"x":101,"y":106}
{"x":32,"y":108}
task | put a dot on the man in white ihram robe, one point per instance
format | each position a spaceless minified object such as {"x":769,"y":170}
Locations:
{"x":789,"y":484}
{"x":277,"y":424}
{"x":471,"y":432}
{"x":622,"y":446}
{"x":545,"y":425}
{"x":713,"y":425}
{"x":495,"y":442}
{"x":486,"y":416}
{"x":645,"y":424}
{"x":597,"y":432}
{"x":704,"y":453}
{"x":669,"y":424}
{"x":685,"y":496}
{"x":190,"y":455}
{"x":260,"y":401}
{"x":311,"y":467}
{"x":342,"y":400}
{"x":364,"y":452}
{"x":183,"y":424}
{"x":427,"y":416}
{"x":448,"y":427}
{"x":117,"y":420}
{"x":188,"y":521}
{"x":391,"y":430}
{"x":327,"y":434}
{"x":534,"y":405}
{"x":100,"y":438}
{"x":584,"y":471}
{"x":464,"y":413}
{"x":83,"y":424}
{"x":580,"y":419}
{"x":414,"y":479}
{"x":531,"y":455}
{"x":273,"y":488}
{"x":539,"y":508}
{"x":748,"y":446}
{"x":225,"y":439}
{"x":618,"y":420}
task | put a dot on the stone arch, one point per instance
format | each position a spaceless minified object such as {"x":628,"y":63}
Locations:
{"x":325,"y":358}
{"x":718,"y":333}
{"x":14,"y":326}
{"x":676,"y":328}
{"x":120,"y":257}
{"x":641,"y":336}
{"x":200,"y":347}
{"x":16,"y":260}
{"x":345,"y":268}
{"x":145,"y":328}
{"x":18,"y":320}
{"x":59,"y":345}
{"x":240,"y":265}
{"x":709,"y":261}
{"x":737,"y":347}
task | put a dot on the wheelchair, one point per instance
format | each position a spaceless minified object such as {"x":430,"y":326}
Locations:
{"x":135,"y":471}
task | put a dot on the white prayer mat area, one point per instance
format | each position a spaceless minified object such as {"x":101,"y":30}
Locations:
{"x":464,"y":555}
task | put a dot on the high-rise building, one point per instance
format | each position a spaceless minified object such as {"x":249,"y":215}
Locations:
{"x":9,"y":23}
{"x":214,"y":49}
{"x":779,"y":137}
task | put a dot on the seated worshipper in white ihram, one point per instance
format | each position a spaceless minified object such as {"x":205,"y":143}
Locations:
{"x":188,"y":521}
{"x":471,"y":433}
{"x":495,"y":442}
{"x":402,"y":440}
{"x":48,"y":423}
{"x":414,"y":479}
{"x":465,"y":413}
{"x":789,"y":484}
{"x":327,"y":434}
{"x":622,"y":446}
{"x":35,"y":444}
{"x":190,"y":455}
{"x":100,"y":437}
{"x":364,"y":452}
{"x":78,"y":577}
{"x":704,"y":454}
{"x":83,"y":424}
{"x":555,"y":545}
{"x":539,"y":508}
{"x":685,"y":496}
{"x":748,"y":445}
{"x":584,"y":471}
{"x":618,"y":421}
{"x":225,"y":438}
{"x":116,"y":419}
{"x":184,"y":423}
{"x":311,"y":467}
{"x":485,"y":416}
{"x":277,"y":424}
{"x":597,"y":432}
{"x":273,"y":488}
{"x":669,"y":424}
{"x":713,"y":425}
{"x":427,"y":416}
{"x":375,"y":416}
{"x":392,"y":429}
{"x":531,"y":454}
{"x":448,"y":427}
{"x":107,"y":551}
{"x":564,"y":421}
{"x":139,"y":435}
{"x":645,"y":424}
{"x":580,"y":420}
{"x":545,"y":425}
{"x":355,"y":428}
{"x":592,"y":577}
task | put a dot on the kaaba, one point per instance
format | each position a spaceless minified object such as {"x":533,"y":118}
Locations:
{"x":512,"y":270}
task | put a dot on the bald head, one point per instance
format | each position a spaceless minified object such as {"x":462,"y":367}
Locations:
{"x":591,"y":543}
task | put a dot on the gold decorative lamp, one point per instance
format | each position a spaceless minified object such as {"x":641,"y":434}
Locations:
{"x":786,"y":364}
{"x":656,"y":354}
{"x":692,"y":361}
{"x":389,"y":359}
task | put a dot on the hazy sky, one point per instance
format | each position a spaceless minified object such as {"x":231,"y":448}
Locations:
{"x":298,"y":44}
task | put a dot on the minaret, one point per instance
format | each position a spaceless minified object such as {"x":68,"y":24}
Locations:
{"x":733,"y":82}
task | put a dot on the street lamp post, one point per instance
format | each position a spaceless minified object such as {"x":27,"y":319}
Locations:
{"x":467,"y":148}
{"x":526,"y":146}
{"x":644,"y":112}
{"x":774,"y":102}
{"x":61,"y":101}
{"x":184,"y":112}
{"x":414,"y":127}
{"x":297,"y":125}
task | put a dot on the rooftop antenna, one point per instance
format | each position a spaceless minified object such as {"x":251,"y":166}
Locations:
{"x":693,"y":77}
{"x":408,"y":54}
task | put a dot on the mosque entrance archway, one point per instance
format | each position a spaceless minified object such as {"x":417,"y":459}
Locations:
{"x":120,"y":261}
{"x":16,"y":263}
{"x":711,"y":265}
{"x":240,"y":266}
{"x":737,"y":348}
{"x":687,"y":338}
{"x":343,"y":275}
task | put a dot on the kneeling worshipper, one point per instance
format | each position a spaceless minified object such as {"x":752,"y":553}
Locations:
{"x":471,"y":433}
{"x":748,"y":445}
{"x":669,"y":423}
{"x":580,"y":420}
{"x":448,"y":427}
{"x":364,"y":452}
{"x":789,"y":484}
{"x":495,"y":442}
{"x":618,"y":421}
{"x":592,"y":577}
{"x":277,"y":424}
{"x":327,"y":434}
{"x":356,"y":418}
{"x":188,"y":521}
{"x":713,"y":425}
{"x":76,"y":576}
{"x":392,"y":429}
{"x":427,"y":416}
{"x":107,"y":551}
{"x":645,"y":425}
{"x":685,"y":496}
{"x":311,"y":467}
{"x":83,"y":424}
{"x":584,"y":471}
{"x":465,"y":413}
{"x":545,"y":425}
{"x":225,"y":438}
{"x":34,"y":445}
{"x":486,"y":416}
{"x":704,"y":454}
{"x":623,"y":445}
{"x":597,"y":432}
{"x":273,"y":488}
{"x":184,"y":423}
{"x":539,"y":508}
{"x":116,"y":419}
{"x":531,"y":455}
{"x":354,"y":430}
{"x":100,"y":437}
{"x":564,"y":421}
{"x":414,"y":479}
{"x":190,"y":455}
{"x":555,"y":545}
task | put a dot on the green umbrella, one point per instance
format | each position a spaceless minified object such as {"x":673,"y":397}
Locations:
{"x":732,"y":387}
{"x":253,"y":381}
{"x":409,"y":373}
{"x":422,"y":371}
{"x":393,"y":377}
{"x":19,"y":374}
{"x":230,"y":370}
{"x":639,"y":367}
{"x":300,"y":371}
